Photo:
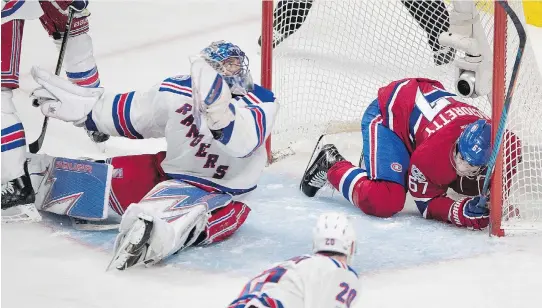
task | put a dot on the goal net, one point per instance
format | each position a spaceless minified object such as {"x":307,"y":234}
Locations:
{"x":338,"y":53}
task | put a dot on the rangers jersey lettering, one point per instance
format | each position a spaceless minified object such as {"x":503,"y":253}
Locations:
{"x":232,"y":163}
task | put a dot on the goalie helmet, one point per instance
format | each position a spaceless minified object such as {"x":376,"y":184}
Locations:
{"x":232,"y":63}
{"x":334,"y":233}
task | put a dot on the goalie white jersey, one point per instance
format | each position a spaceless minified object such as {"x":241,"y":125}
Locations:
{"x":309,"y":281}
{"x":231,"y":162}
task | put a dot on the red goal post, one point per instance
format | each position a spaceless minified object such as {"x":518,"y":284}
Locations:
{"x":336,"y":41}
{"x":499,"y":87}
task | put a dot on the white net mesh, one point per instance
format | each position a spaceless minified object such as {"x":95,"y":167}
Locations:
{"x":331,"y":65}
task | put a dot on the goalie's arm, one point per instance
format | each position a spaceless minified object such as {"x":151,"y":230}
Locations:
{"x":135,"y":114}
{"x":240,"y":125}
{"x":254,"y":115}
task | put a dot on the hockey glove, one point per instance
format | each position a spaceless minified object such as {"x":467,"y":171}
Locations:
{"x":469,"y":213}
{"x":213,"y":97}
{"x":60,"y":99}
{"x":79,"y":5}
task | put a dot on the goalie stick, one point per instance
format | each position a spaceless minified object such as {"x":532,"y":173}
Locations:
{"x":332,"y":128}
{"x":35,"y":146}
{"x":508,"y":100}
{"x":87,"y":225}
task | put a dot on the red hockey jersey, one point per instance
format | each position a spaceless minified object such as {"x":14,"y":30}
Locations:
{"x":429,"y":121}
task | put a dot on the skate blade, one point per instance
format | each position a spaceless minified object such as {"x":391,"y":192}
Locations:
{"x":24,"y":213}
{"x":315,"y":152}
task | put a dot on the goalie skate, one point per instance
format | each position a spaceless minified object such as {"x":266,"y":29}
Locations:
{"x":131,"y":247}
{"x":315,"y":176}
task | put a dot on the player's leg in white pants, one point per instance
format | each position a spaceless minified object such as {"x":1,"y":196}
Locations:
{"x":17,"y":193}
{"x":81,"y":68}
{"x":78,"y":62}
{"x":13,"y":139}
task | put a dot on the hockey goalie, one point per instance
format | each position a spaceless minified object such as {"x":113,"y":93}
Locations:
{"x":215,"y":121}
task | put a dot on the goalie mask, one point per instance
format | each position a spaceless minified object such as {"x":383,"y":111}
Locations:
{"x":334,"y":233}
{"x":472,"y":149}
{"x":232,"y":63}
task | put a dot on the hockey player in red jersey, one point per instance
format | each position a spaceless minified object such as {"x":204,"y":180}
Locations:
{"x":80,"y":68}
{"x":416,"y":137}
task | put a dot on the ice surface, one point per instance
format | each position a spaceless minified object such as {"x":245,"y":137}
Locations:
{"x":405,"y":261}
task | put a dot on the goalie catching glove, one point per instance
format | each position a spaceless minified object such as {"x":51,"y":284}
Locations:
{"x":213,"y":96}
{"x":219,"y":74}
{"x":60,"y":99}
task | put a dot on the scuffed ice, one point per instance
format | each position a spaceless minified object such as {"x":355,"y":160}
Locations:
{"x":280,"y":226}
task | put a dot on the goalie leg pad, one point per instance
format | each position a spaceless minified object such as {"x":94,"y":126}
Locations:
{"x":225,"y":221}
{"x":384,"y":153}
{"x":180,"y":213}
{"x":72,"y":187}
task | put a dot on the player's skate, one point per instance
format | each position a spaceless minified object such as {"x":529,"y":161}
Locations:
{"x":131,"y":247}
{"x":18,"y":200}
{"x":315,"y":176}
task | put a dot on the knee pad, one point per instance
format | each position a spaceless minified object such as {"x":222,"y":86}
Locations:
{"x":379,"y":198}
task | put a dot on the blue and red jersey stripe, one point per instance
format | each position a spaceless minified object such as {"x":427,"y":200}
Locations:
{"x":121,"y":115}
{"x":88,"y":79}
{"x":11,"y":7}
{"x":259,"y":117}
{"x":177,"y":86}
{"x":13,"y":137}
